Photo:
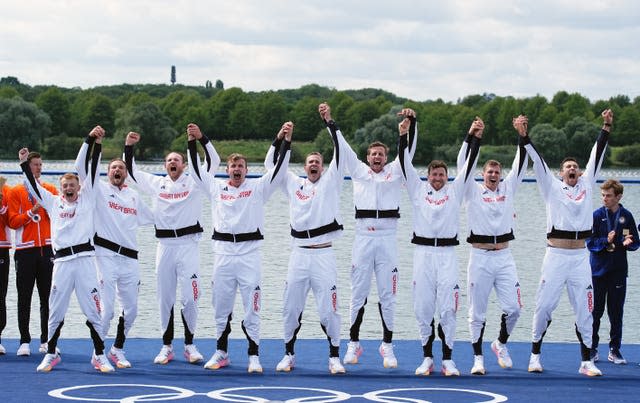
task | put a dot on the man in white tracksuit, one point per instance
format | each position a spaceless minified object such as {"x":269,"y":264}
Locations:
{"x":177,"y":208}
{"x":490,"y":212}
{"x":74,"y":267}
{"x":119,"y":211}
{"x":238,"y":228}
{"x":569,"y":204}
{"x":376,"y":197}
{"x":314,"y":205}
{"x":436,"y":207}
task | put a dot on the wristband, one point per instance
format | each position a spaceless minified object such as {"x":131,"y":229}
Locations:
{"x":607,"y":124}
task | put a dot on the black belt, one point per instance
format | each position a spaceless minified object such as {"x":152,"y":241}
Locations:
{"x":177,"y":233}
{"x":378,"y":213}
{"x":560,"y":234}
{"x":119,"y":249}
{"x":473,"y":238}
{"x":325,"y":229}
{"x":418,"y":240}
{"x":247,"y":236}
{"x":72,"y":250}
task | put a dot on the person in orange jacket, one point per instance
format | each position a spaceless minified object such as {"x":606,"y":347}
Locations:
{"x":33,"y":256}
{"x":5,"y":246}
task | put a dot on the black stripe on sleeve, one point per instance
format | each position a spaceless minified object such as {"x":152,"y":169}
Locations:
{"x":193,"y":154}
{"x":128,"y":160}
{"x":286,"y":145}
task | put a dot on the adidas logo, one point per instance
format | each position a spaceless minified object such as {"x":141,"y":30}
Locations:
{"x":334,"y":288}
{"x":194,"y":276}
{"x":395,"y":270}
{"x":95,"y":290}
{"x":257,"y":288}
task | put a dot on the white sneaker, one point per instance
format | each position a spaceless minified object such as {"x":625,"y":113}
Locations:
{"x":449,"y":368}
{"x":389,"y":359}
{"x":426,"y":367}
{"x":24,"y":350}
{"x":218,"y":360}
{"x":164,"y":356}
{"x":287,"y":363}
{"x":192,"y":354}
{"x":534,"y":363}
{"x":478,"y":365}
{"x":48,"y":362}
{"x":335,"y":366}
{"x":101,"y":363}
{"x":254,"y":364}
{"x":354,"y":351}
{"x":502,"y":353}
{"x":2,"y":350}
{"x":117,"y":356}
{"x":588,"y":368}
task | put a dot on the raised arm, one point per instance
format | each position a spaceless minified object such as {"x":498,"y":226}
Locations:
{"x":592,"y":170}
{"x":408,"y":171}
{"x":469,"y":151}
{"x":519,"y":166}
{"x":340,"y":146}
{"x":42,"y":195}
{"x":410,"y":123}
{"x":144,"y":180}
{"x":202,"y":175}
{"x":544,"y":176}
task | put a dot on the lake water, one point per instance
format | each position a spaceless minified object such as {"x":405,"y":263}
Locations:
{"x":528,"y":250}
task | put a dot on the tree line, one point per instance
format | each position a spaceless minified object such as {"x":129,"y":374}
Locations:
{"x":54,"y":120}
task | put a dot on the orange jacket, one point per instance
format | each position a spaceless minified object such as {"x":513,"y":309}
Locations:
{"x":5,"y":232}
{"x":29,"y":233}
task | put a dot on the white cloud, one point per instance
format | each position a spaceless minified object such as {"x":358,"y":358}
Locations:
{"x":416,"y":49}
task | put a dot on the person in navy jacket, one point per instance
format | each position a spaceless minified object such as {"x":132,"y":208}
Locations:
{"x":614,"y":233}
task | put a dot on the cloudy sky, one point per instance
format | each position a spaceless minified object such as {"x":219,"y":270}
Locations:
{"x":421,"y":49}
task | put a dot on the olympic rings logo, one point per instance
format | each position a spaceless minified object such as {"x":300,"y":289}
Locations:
{"x":261,"y":394}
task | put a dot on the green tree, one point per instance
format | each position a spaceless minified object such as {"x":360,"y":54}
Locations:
{"x":56,"y":104}
{"x":550,"y":142}
{"x":581,"y":134}
{"x":270,"y":113}
{"x":306,"y":119}
{"x":625,"y":126}
{"x":219,"y":109}
{"x":7,"y":92}
{"x":22,"y":124}
{"x":241,"y":124}
{"x":154,"y":127}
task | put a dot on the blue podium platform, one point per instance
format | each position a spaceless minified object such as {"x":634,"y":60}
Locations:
{"x":75,"y":379}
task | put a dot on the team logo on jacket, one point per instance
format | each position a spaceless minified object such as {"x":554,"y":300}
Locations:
{"x":334,"y":298}
{"x":95,"y":295}
{"x":622,"y":220}
{"x":590,"y":298}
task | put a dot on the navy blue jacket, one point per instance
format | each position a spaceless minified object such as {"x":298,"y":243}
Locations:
{"x":602,"y":261}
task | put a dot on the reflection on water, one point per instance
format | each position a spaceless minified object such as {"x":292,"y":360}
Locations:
{"x":528,"y":250}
